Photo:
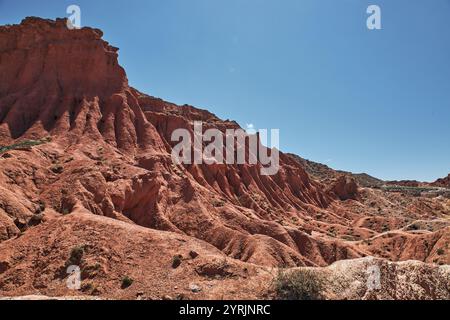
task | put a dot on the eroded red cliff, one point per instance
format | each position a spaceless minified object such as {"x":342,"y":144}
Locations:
{"x":110,"y":155}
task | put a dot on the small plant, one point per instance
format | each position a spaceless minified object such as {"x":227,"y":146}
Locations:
{"x":36,"y":219}
{"x":40,"y":207}
{"x":218,"y":203}
{"x":414,"y":227}
{"x":440,"y":251}
{"x":126,"y":282}
{"x":298,"y":285}
{"x":25,"y":144}
{"x":87,"y":287}
{"x":76,"y":256}
{"x":332,"y":232}
{"x":91,"y":271}
{"x":176,"y":261}
{"x":57,"y":168}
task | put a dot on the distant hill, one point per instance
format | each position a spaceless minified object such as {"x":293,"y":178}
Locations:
{"x":443,"y":183}
{"x":323,"y":172}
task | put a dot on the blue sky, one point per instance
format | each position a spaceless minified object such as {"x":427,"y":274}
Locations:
{"x":358,"y":100}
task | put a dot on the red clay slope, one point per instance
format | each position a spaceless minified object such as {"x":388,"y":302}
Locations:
{"x":111,"y":142}
{"x":110,"y":155}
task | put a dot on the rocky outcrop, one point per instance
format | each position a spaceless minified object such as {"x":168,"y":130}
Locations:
{"x":110,"y":151}
{"x":105,"y":150}
{"x":443,"y":182}
{"x":377,"y":279}
{"x":345,"y":188}
{"x":36,"y":263}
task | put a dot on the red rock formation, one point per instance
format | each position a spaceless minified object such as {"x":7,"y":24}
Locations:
{"x":443,"y":182}
{"x":345,"y":188}
{"x":110,"y":155}
{"x":112,"y":144}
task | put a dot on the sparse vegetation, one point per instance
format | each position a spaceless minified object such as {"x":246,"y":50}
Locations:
{"x":176,"y":261}
{"x":332,"y":232}
{"x":414,"y":191}
{"x":91,"y":271}
{"x":24,"y":144}
{"x":76,"y":256}
{"x":36,"y":219}
{"x":90,"y":289}
{"x":87,"y":287}
{"x":40,"y":208}
{"x":300,"y":284}
{"x":126,"y":282}
{"x":218,"y":203}
{"x":57,"y":168}
{"x":42,"y":205}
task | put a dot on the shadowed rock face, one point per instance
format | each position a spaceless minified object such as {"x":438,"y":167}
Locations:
{"x":345,"y":188}
{"x":110,"y":156}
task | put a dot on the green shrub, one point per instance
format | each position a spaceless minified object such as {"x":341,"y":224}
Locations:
{"x":57,"y":168}
{"x":176,"y":261}
{"x":300,"y":284}
{"x":25,"y":144}
{"x":87,"y":287}
{"x":76,"y":256}
{"x":40,"y":208}
{"x":36,"y":219}
{"x":41,"y":205}
{"x":440,"y":251}
{"x":126,"y":282}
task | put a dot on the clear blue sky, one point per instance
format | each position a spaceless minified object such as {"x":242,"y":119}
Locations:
{"x":357,"y":100}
